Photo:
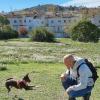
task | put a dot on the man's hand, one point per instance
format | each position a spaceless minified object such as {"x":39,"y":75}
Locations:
{"x":63,"y":76}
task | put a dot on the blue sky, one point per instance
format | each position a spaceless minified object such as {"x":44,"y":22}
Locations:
{"x":8,"y":5}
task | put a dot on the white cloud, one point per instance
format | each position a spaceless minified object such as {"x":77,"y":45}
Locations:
{"x":87,"y":3}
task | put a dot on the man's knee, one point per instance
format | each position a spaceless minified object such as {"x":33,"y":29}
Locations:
{"x":87,"y":96}
{"x":74,"y":94}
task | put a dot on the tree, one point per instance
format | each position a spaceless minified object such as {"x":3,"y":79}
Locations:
{"x":7,"y":28}
{"x":42,"y":35}
{"x":6,"y":32}
{"x":3,"y":21}
{"x":85,"y":31}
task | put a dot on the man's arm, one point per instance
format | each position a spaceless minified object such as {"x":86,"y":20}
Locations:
{"x":83,"y":79}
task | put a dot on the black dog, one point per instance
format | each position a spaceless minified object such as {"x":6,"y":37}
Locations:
{"x":18,"y":84}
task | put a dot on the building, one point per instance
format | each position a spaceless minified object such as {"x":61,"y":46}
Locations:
{"x":54,"y":22}
{"x":96,"y":20}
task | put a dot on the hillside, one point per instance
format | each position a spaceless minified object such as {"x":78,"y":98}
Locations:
{"x":42,"y":9}
{"x":48,"y":8}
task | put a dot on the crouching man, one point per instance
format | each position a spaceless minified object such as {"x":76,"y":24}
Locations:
{"x":77,"y":82}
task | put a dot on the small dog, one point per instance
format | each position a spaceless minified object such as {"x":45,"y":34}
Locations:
{"x":18,"y":84}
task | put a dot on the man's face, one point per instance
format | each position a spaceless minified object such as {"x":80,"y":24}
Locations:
{"x":69,"y":63}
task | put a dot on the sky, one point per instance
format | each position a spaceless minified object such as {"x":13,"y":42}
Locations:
{"x":11,"y":5}
{"x":87,"y":3}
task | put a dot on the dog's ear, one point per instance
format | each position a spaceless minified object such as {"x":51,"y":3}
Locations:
{"x":27,"y":74}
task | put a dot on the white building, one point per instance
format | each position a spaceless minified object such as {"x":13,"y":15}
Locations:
{"x":55,"y":24}
{"x":96,"y":20}
{"x":25,"y":21}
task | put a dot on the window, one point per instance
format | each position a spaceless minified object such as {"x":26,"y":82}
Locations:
{"x":99,"y":21}
{"x":35,"y":17}
{"x":29,"y":20}
{"x":52,"y":21}
{"x":25,"y":21}
{"x":30,"y":28}
{"x":15,"y":21}
{"x":58,"y":28}
{"x":20,"y":21}
{"x":64,"y":21}
{"x":59,"y":21}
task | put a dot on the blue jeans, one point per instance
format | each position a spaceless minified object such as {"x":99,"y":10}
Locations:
{"x":69,"y":82}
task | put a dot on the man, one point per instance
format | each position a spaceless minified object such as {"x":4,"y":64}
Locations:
{"x":77,"y":86}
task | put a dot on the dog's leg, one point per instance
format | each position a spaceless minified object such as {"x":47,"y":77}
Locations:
{"x":8,"y":88}
{"x":29,"y":87}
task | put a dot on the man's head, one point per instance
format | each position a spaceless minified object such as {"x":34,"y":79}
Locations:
{"x":69,"y":61}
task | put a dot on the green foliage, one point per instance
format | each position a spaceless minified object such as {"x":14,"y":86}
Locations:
{"x":3,"y":20}
{"x":5,"y":30}
{"x":3,"y":67}
{"x":85,"y":31}
{"x":42,"y":35}
{"x":8,"y":33}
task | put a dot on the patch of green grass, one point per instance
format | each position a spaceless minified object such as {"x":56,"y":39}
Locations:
{"x":45,"y":75}
{"x":46,"y":62}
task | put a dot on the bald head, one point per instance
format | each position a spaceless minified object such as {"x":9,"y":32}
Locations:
{"x":69,"y":61}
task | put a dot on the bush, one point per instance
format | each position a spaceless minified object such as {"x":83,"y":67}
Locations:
{"x":85,"y":31}
{"x":42,"y":35}
{"x":3,"y":67}
{"x":8,"y":34}
{"x":23,"y":32}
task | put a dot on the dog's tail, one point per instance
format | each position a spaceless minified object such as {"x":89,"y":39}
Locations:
{"x":9,"y":79}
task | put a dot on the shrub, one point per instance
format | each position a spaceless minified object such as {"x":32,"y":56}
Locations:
{"x":8,"y":33}
{"x":23,"y":32}
{"x":85,"y":31}
{"x":42,"y":35}
{"x":3,"y":67}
